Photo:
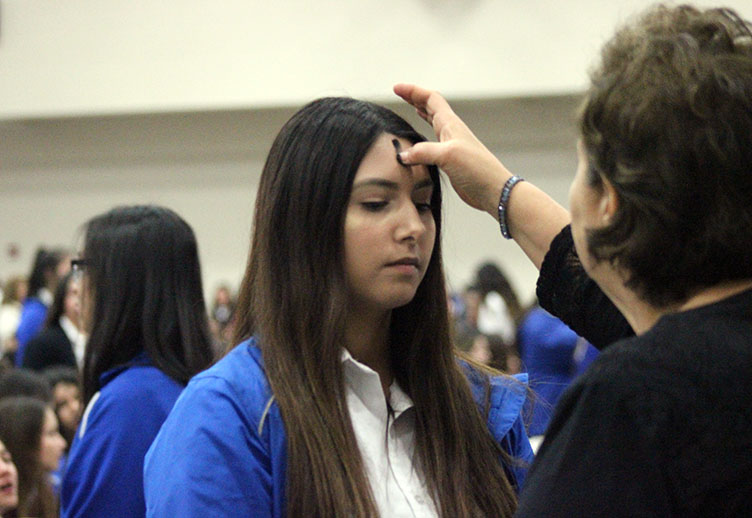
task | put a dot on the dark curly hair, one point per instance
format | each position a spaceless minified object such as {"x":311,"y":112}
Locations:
{"x":668,"y":122}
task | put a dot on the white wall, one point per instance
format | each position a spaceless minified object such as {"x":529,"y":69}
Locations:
{"x":106,"y":102}
{"x":79,"y":57}
{"x":57,"y":173}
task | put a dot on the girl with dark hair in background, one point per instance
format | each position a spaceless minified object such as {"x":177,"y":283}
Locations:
{"x":49,"y":267}
{"x":62,"y":341}
{"x":349,"y":400}
{"x":66,"y":398}
{"x":148,"y":334}
{"x":29,"y":429}
{"x":500,"y":310}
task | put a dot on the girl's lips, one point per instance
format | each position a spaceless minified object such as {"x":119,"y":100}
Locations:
{"x":407,"y":261}
{"x":405,"y":268}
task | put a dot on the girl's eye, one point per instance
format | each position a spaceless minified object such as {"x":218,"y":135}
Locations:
{"x":373,"y":206}
{"x":423,"y":207}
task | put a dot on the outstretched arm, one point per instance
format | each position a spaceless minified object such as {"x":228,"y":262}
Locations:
{"x":533,"y":218}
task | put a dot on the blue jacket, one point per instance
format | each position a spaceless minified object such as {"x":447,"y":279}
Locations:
{"x":104,"y":474}
{"x":222,"y":450}
{"x":547,"y":349}
{"x":33,"y":313}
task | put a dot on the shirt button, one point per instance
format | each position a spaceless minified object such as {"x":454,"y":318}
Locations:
{"x":420,"y":499}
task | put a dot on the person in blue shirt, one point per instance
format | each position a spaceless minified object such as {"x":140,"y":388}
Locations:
{"x":350,"y":400}
{"x":148,"y":335}
{"x":553,"y":356}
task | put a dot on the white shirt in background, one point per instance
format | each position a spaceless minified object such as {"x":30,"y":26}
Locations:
{"x":10,"y":316}
{"x":77,"y":339}
{"x":494,"y":318}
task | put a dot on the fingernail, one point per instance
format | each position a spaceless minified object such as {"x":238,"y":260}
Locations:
{"x":398,"y":150}
{"x":402,"y":158}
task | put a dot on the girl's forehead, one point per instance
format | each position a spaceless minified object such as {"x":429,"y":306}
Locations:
{"x":381,"y":162}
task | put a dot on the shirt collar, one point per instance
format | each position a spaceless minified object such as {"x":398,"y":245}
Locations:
{"x":359,"y":376}
{"x":71,"y":331}
{"x":141,"y":359}
{"x":45,"y":296}
{"x":77,"y":338}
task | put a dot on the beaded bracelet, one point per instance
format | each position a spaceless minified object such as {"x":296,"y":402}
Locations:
{"x":503,"y":201}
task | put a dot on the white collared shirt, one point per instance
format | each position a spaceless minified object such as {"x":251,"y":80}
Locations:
{"x":76,"y":337}
{"x":386,"y":442}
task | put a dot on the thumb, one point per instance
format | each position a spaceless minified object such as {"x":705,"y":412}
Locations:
{"x":427,"y":153}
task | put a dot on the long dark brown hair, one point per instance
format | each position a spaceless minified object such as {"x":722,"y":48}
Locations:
{"x":21,"y":425}
{"x":293,"y":298}
{"x":144,"y":278}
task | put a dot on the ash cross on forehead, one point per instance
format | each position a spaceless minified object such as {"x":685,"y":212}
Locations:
{"x":397,"y":150}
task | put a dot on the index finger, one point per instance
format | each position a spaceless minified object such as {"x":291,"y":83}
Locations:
{"x":430,"y":105}
{"x":413,"y":94}
{"x":425,"y":100}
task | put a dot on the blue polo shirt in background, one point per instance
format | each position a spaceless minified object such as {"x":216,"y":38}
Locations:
{"x":104,"y":475}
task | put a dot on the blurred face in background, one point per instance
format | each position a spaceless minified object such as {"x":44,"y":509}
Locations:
{"x":222,"y":297}
{"x":67,"y":398}
{"x":52,"y":445}
{"x":60,"y":270}
{"x":22,"y":290}
{"x":63,"y":267}
{"x":85,"y":298}
{"x":72,"y":301}
{"x":8,"y":481}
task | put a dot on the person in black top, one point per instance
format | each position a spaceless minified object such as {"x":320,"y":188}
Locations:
{"x":56,"y":343}
{"x":656,"y":263}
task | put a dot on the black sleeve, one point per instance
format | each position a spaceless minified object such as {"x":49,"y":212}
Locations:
{"x":48,"y":348}
{"x":35,"y":353}
{"x":594,"y":462}
{"x":566,"y":291}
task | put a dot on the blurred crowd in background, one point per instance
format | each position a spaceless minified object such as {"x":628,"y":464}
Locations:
{"x":42,"y":344}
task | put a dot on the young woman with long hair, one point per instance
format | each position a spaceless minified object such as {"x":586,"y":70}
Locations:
{"x":49,"y":266}
{"x":61,"y":341}
{"x":144,"y":311}
{"x":349,"y":399}
{"x":8,"y":484}
{"x":29,"y":430}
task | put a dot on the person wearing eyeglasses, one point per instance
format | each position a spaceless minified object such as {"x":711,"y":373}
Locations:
{"x":144,"y":311}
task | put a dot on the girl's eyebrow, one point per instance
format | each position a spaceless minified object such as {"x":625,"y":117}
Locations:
{"x":378,"y":182}
{"x":393,"y":186}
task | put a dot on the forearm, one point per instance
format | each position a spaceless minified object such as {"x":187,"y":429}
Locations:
{"x":533,"y":217}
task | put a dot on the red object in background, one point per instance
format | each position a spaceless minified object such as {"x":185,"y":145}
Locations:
{"x":13,"y":250}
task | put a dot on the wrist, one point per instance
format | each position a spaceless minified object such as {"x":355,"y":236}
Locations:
{"x":503,"y":207}
{"x":493,"y":195}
